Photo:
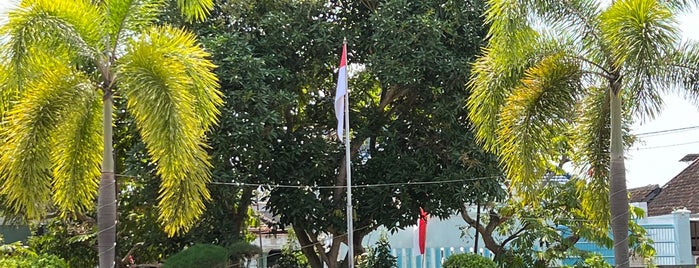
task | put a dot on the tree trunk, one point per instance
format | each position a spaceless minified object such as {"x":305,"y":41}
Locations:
{"x":618,"y":194}
{"x":486,"y":232}
{"x":241,"y":212}
{"x":106,"y":200}
{"x":308,"y":248}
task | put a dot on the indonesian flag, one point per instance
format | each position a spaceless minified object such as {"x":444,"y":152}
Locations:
{"x":341,"y":92}
{"x":420,"y":234}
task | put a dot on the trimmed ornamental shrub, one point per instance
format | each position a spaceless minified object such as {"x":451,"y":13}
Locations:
{"x":468,"y":260}
{"x":199,"y":255}
{"x":242,"y":251}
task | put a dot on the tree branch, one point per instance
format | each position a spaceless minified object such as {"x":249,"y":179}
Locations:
{"x":307,"y":247}
{"x":320,"y":249}
{"x":126,"y":257}
{"x":487,"y":237}
{"x":515,"y":234}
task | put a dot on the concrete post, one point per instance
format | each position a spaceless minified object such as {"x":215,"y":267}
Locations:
{"x":683,"y":241}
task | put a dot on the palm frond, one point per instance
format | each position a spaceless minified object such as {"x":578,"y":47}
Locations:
{"x":510,"y":35}
{"x":643,"y":92}
{"x":489,"y":88}
{"x":25,"y":163}
{"x":54,"y":24}
{"x":182,"y":47}
{"x":505,"y":16}
{"x":639,"y":31}
{"x":77,"y":152}
{"x":593,"y":134}
{"x":127,"y":17}
{"x":681,"y":5}
{"x":195,"y":9}
{"x":537,"y":110}
{"x":493,"y":76}
{"x":594,"y":201}
{"x":65,"y":30}
{"x":7,"y":93}
{"x":682,"y":72}
{"x":172,"y":114}
{"x":579,"y":16}
{"x":34,"y":65}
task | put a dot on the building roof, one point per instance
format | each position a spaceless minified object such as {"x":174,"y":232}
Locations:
{"x":644,"y":194}
{"x":680,"y":192}
{"x":689,"y":158}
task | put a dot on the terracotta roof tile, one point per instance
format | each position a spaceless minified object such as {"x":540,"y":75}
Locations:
{"x":681,"y":191}
{"x":644,"y":194}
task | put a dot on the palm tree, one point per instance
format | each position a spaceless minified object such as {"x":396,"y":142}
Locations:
{"x":581,"y":70}
{"x":63,"y":62}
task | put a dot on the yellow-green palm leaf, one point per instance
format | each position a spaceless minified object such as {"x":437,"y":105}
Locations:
{"x":536,"y":111}
{"x":26,"y":163}
{"x":170,"y":91}
{"x":77,"y":152}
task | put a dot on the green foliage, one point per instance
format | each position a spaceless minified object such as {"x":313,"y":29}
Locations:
{"x":587,"y":75}
{"x":243,"y":250}
{"x":596,"y":261}
{"x":379,"y":256}
{"x":16,"y":255}
{"x":73,"y":240}
{"x":64,"y":61}
{"x":640,"y":244}
{"x":467,"y":260}
{"x":538,"y":236}
{"x":291,"y":255}
{"x":199,"y":255}
{"x":44,"y":261}
{"x":292,"y":259}
{"x":277,"y":122}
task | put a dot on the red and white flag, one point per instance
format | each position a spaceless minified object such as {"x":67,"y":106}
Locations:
{"x":341,"y":92}
{"x":420,"y":234}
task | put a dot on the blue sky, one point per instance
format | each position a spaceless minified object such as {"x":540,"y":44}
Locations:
{"x":656,"y":159}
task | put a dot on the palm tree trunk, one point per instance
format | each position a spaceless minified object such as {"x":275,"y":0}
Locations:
{"x":618,"y":195}
{"x":106,"y":200}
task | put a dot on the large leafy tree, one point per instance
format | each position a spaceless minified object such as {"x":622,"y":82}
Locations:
{"x":63,"y":64}
{"x":579,"y":69}
{"x":407,"y":115}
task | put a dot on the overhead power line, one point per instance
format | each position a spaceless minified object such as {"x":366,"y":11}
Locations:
{"x":337,"y":186}
{"x":667,"y":145}
{"x":666,"y":131}
{"x":353,"y":186}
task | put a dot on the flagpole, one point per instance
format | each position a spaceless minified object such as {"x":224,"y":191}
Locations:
{"x":350,"y":230}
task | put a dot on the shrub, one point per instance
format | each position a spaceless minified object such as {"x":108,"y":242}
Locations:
{"x":241,"y":251}
{"x":16,"y":255}
{"x":199,"y":255}
{"x":379,"y":257}
{"x":44,"y":261}
{"x":468,"y":261}
{"x":290,"y":256}
{"x":73,"y":241}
